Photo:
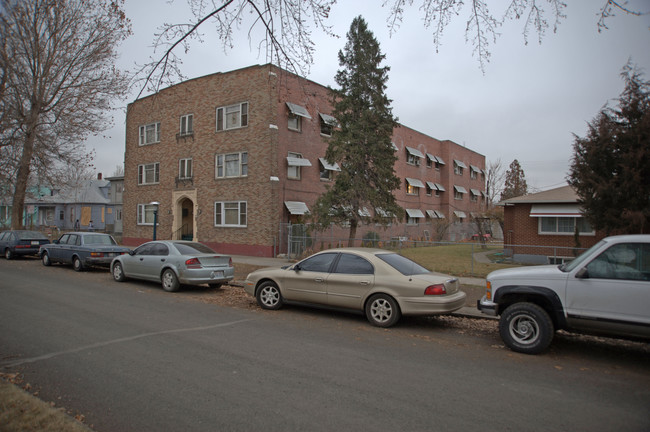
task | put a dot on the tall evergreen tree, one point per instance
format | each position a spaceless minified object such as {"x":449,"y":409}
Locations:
{"x":361,"y":145}
{"x":610,"y":169}
{"x":515,"y":184}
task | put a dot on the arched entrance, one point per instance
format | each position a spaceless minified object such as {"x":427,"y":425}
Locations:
{"x":184,"y":216}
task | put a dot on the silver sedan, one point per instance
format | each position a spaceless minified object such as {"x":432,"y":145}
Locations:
{"x":174,"y":263}
{"x":383,"y":284}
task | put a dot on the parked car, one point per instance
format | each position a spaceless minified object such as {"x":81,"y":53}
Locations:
{"x":82,"y":249}
{"x":174,"y":263}
{"x":21,"y":242}
{"x":605,"y":291}
{"x":383,"y":284}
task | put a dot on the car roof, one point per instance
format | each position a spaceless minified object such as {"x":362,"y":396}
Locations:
{"x":636,"y":238}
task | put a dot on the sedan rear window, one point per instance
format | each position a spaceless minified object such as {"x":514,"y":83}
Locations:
{"x":403,"y":264}
{"x":192,"y":248}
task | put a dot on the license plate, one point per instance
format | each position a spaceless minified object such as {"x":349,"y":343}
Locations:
{"x":35,"y":243}
{"x":216,"y":274}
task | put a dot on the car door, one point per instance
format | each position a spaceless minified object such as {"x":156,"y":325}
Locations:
{"x":612,"y":292}
{"x":55,"y":249}
{"x":152,"y":263}
{"x":135,"y":264}
{"x":350,"y":280}
{"x":69,"y":248}
{"x":307,"y":281}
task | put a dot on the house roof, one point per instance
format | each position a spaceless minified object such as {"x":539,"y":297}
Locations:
{"x":88,"y":192}
{"x":564,"y":194}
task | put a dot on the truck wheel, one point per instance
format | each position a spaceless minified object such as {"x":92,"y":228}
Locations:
{"x":526,"y":328}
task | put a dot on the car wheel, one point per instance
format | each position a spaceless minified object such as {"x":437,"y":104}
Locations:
{"x":382,"y":310}
{"x":269,"y":296}
{"x":9,"y":254}
{"x":170,"y":281}
{"x":77,"y":265}
{"x":45,"y":259}
{"x":118,"y":272}
{"x":526,"y":328}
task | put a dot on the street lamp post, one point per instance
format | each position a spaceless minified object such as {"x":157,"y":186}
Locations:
{"x":155,"y":216}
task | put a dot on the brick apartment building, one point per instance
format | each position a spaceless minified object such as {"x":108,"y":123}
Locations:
{"x":232,"y":156}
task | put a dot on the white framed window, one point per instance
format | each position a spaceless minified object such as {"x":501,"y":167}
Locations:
{"x":149,"y":173}
{"x":232,"y":116}
{"x":150,"y":133}
{"x":230,"y":214}
{"x":146,"y":214}
{"x":294,"y":122}
{"x":293,"y":170}
{"x":564,"y":225}
{"x":185,"y":168}
{"x":413,"y":156}
{"x":231,"y":165}
{"x":187,"y":125}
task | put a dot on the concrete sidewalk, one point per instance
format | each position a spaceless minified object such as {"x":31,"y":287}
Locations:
{"x":470,"y":312}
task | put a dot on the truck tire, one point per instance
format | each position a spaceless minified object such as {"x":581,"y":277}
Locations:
{"x":526,"y":328}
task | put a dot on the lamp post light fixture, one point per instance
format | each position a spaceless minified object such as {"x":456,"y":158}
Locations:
{"x":155,"y":216}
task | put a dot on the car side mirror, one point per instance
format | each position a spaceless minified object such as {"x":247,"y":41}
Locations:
{"x":55,"y":242}
{"x":131,"y":252}
{"x":582,"y":273}
{"x":296,"y":268}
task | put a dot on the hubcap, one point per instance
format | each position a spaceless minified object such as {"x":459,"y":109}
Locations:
{"x":381,"y":310}
{"x":269,"y":296}
{"x":524,"y":329}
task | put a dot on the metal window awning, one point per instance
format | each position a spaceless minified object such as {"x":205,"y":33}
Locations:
{"x":460,"y":214}
{"x":460,"y":164}
{"x":435,"y":158}
{"x":294,"y":161}
{"x":414,"y":182}
{"x":475,"y":192}
{"x":555,"y":210}
{"x":414,"y":213}
{"x":440,"y":187}
{"x":394,"y":146}
{"x":435,"y":214}
{"x":414,"y":152}
{"x":475,"y":169}
{"x":460,"y":189}
{"x":296,"y":207}
{"x":298,"y":110}
{"x":329,"y":166}
{"x":328,"y":119}
{"x":364,"y":212}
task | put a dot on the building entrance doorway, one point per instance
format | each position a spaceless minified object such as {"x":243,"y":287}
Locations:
{"x":184,"y":216}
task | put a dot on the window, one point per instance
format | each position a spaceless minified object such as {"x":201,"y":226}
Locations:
{"x":295,"y":122}
{"x":230,"y":214}
{"x":146,"y":214}
{"x":294,"y":168}
{"x":327,"y":124}
{"x":458,"y":192}
{"x":413,"y":186}
{"x":61,"y":215}
{"x":413,"y":156}
{"x":317,"y":263}
{"x":327,"y":169}
{"x":564,"y":225}
{"x":185,"y":168}
{"x":353,"y":264}
{"x":459,"y":167}
{"x":149,"y":173}
{"x":187,"y":127}
{"x":232,"y":117}
{"x":232,"y":165}
{"x":625,"y":261}
{"x":150,"y":133}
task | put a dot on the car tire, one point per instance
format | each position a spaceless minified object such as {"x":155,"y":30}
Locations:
{"x":9,"y":254}
{"x":269,"y":296}
{"x":526,"y":328}
{"x":170,"y":281}
{"x":118,"y":272}
{"x":45,"y":259}
{"x":382,"y":310}
{"x":77,"y":265}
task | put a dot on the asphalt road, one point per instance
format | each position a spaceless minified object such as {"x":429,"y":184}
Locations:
{"x":131,"y":357}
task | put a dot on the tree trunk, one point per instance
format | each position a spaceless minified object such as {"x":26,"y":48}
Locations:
{"x":353,"y":232}
{"x":22,"y":177}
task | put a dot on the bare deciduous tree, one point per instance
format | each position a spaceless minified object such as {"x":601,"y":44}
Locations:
{"x":60,"y":82}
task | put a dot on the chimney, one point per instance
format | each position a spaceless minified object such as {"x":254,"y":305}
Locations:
{"x":99,"y":176}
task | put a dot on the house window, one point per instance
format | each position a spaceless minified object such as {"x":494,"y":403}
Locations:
{"x":459,"y":167}
{"x":230,"y":214}
{"x":327,"y":169}
{"x":61,"y":215}
{"x":232,"y":165}
{"x":185,"y":168}
{"x":327,"y":124}
{"x":564,"y":225}
{"x":232,"y":117}
{"x":458,"y":192}
{"x":295,"y":123}
{"x":294,"y":170}
{"x":150,"y":134}
{"x":187,"y":125}
{"x":149,"y":173}
{"x":413,"y":156}
{"x":412,"y":190}
{"x":146,"y":214}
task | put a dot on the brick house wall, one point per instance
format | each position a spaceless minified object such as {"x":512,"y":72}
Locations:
{"x":187,"y":206}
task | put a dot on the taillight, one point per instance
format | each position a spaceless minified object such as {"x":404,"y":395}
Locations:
{"x":230,"y":262}
{"x":96,"y":254}
{"x":193,"y":263}
{"x":438,"y":289}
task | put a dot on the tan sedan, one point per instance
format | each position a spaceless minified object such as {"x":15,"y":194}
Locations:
{"x":383,"y":284}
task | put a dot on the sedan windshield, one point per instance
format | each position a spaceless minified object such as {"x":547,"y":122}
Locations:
{"x":402,"y":264}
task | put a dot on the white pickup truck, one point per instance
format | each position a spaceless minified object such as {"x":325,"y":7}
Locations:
{"x":604,"y":291}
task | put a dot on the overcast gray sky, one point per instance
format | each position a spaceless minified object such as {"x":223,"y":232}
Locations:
{"x":526,"y":105}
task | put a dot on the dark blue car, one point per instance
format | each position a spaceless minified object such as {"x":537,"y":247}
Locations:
{"x":82,"y":249}
{"x":21,"y":242}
